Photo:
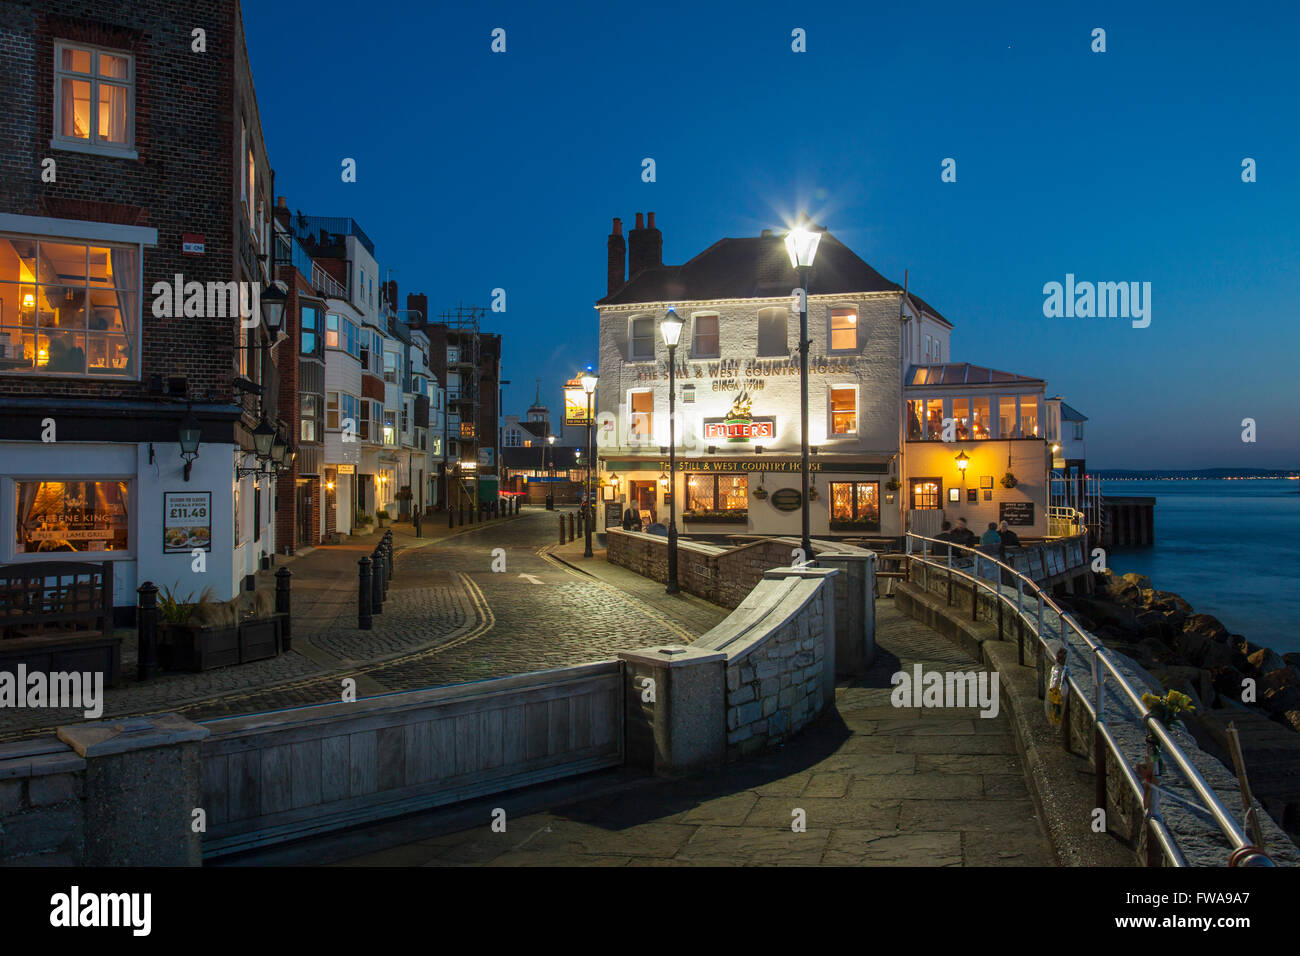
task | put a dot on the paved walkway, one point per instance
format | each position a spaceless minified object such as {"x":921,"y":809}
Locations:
{"x":449,"y":617}
{"x":878,"y":786}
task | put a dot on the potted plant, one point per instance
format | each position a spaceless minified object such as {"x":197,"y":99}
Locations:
{"x":1009,"y":480}
{"x":383,"y":513}
{"x":855,"y":524}
{"x":196,"y":635}
{"x":717,"y":517}
{"x":760,"y":492}
{"x":893,"y":484}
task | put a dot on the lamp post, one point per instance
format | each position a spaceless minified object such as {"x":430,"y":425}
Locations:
{"x":671,"y":327}
{"x":589,"y":386}
{"x":801,"y":244}
{"x":550,"y":473}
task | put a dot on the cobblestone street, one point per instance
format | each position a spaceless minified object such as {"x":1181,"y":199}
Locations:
{"x":449,"y":617}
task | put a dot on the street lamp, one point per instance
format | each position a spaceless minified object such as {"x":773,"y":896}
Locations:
{"x":190,"y":433}
{"x":801,"y":244}
{"x":273,"y":300}
{"x":589,"y":386}
{"x":550,"y":473}
{"x":671,"y":327}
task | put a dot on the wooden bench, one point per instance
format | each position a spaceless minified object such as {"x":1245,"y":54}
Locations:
{"x":57,"y":616}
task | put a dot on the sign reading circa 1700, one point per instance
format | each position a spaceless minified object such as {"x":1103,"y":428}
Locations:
{"x":187,"y":521}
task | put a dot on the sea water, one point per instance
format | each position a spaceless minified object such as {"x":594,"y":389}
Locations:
{"x":1230,"y":548}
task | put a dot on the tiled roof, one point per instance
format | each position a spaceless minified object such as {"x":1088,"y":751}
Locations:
{"x":963,"y":373}
{"x":755,"y":268}
{"x":1069,"y":414}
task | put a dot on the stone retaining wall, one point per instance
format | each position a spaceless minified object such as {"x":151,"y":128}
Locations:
{"x":41,"y":814}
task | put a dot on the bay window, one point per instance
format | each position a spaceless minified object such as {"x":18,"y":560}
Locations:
{"x":1028,"y":417}
{"x":1007,"y":417}
{"x":69,"y":308}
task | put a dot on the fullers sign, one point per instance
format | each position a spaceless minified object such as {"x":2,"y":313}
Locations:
{"x":739,"y":423}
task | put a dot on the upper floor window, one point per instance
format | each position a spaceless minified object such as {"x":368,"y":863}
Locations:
{"x":642,"y":339}
{"x":844,"y":329}
{"x":641,"y":422}
{"x":704,"y":336}
{"x":69,"y":308}
{"x":390,"y":367}
{"x":341,"y":333}
{"x":1078,"y":431}
{"x":773,"y":334}
{"x":94,"y":103}
{"x":310,"y":318}
{"x":844,"y":410}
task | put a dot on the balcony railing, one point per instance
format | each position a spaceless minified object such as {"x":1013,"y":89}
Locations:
{"x":326,"y":284}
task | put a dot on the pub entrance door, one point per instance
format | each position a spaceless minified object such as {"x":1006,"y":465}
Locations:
{"x":643,"y":501}
{"x":304,"y":530}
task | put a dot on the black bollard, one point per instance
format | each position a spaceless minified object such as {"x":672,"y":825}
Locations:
{"x":146,"y":623}
{"x":416,"y":519}
{"x":282,"y":606}
{"x":572,"y":522}
{"x":363,"y":594}
{"x":561,"y":529}
{"x":451,"y":518}
{"x":377,"y":583}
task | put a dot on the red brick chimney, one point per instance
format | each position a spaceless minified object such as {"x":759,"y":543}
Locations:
{"x":617,"y":258}
{"x":417,"y":302}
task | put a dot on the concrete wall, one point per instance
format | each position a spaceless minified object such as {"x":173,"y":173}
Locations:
{"x":750,"y":683}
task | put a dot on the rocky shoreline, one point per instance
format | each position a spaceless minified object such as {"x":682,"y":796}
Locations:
{"x":1196,"y":654}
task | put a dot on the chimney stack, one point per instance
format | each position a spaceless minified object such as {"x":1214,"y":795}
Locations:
{"x":417,"y":302}
{"x":645,"y":246}
{"x":617,"y":258}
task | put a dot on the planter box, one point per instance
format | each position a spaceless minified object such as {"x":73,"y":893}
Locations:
{"x":855,"y":525}
{"x":189,"y":647}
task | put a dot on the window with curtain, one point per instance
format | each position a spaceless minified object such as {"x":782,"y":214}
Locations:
{"x":94,"y":102}
{"x":641,"y":422}
{"x":844,"y":410}
{"x":69,"y":308}
{"x":82,"y":516}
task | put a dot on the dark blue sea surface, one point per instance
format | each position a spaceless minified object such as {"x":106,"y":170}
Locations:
{"x":1230,"y":548}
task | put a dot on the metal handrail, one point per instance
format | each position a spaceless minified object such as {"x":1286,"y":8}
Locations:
{"x":1101,"y":666}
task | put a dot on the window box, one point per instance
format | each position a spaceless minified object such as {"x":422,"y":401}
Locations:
{"x":855,"y":524}
{"x":716,"y":517}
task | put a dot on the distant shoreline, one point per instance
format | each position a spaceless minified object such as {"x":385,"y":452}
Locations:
{"x":1213,"y":474}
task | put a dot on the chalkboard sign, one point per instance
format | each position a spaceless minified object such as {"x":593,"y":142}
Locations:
{"x":613,"y":514}
{"x":786,"y":499}
{"x":1016,"y":513}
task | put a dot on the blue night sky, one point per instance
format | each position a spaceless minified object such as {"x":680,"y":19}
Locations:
{"x":479,"y":170}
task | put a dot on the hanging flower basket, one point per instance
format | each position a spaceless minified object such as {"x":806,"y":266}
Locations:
{"x":1009,"y":480}
{"x":893,"y":484}
{"x":760,"y":493}
{"x":812,"y":493}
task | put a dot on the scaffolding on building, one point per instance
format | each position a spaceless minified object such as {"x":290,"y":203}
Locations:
{"x":463,"y":357}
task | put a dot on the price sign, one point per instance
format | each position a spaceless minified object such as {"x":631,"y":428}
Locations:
{"x":187,"y":521}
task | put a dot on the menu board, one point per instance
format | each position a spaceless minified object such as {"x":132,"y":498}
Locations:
{"x":187,"y":521}
{"x":1016,"y":513}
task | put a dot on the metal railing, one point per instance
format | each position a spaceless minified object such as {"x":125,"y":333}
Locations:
{"x":326,"y":284}
{"x":1103,"y":669}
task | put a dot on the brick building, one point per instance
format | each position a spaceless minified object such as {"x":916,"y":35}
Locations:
{"x":135,"y":211}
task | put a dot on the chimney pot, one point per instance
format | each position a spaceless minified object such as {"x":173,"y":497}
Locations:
{"x":618,"y":226}
{"x":640,"y":220}
{"x":651,"y":223}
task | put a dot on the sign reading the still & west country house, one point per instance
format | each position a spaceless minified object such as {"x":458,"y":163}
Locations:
{"x":739,"y":425}
{"x":575,"y":404}
{"x":187,"y":521}
{"x":751,"y":375}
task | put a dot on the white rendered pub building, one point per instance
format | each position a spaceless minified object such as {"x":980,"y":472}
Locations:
{"x":880,"y":388}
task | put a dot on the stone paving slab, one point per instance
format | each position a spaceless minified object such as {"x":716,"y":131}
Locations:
{"x":876,"y":785}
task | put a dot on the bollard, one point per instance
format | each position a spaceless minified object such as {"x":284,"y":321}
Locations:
{"x":146,"y":623}
{"x":561,"y":529}
{"x":418,"y":532}
{"x":377,"y":584}
{"x":388,"y":566}
{"x":451,"y":518}
{"x":363,"y":594}
{"x":572,"y":521}
{"x":282,"y":607}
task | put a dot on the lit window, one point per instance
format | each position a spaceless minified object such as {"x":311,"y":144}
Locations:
{"x":1028,"y":417}
{"x":705,"y":341}
{"x":980,"y":419}
{"x":844,"y":410}
{"x":331,"y":331}
{"x":855,"y":505}
{"x":84,"y":516}
{"x":961,"y":414}
{"x":307,"y":411}
{"x":926,"y":493}
{"x":69,"y":308}
{"x":1007,"y":418}
{"x":934,"y":419}
{"x":844,"y":329}
{"x":95,"y":98}
{"x":641,"y":425}
{"x":717,"y":495}
{"x":642,"y":347}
